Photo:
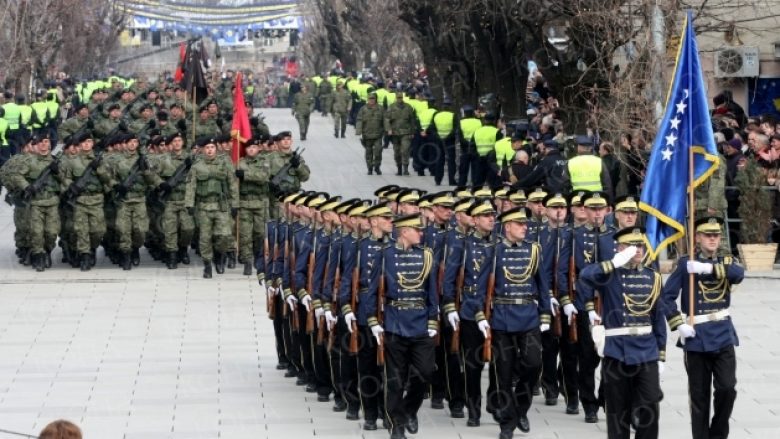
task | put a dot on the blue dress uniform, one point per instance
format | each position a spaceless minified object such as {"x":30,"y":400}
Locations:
{"x":520,"y":304}
{"x":472,"y":253}
{"x":411,"y":308}
{"x":535,"y":225}
{"x":369,"y":374}
{"x":448,"y":378}
{"x":322,"y":372}
{"x":267,"y":270}
{"x":635,"y":338}
{"x":709,"y":356}
{"x":556,"y":249}
{"x":586,"y":251}
{"x":282,"y":280}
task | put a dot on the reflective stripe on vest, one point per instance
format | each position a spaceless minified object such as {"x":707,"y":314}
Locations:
{"x":469,"y":126}
{"x":13,"y":112}
{"x":3,"y":132}
{"x":444,"y":121}
{"x":485,"y":139}
{"x":504,"y":152}
{"x":426,"y":117}
{"x":585,"y":173}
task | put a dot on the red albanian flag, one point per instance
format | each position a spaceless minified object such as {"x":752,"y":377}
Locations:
{"x":240,"y":130}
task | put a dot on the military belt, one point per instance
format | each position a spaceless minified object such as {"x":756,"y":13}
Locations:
{"x":509,"y":301}
{"x":471,"y":289}
{"x":629,"y":330}
{"x":711,"y":317}
{"x":405,"y":304}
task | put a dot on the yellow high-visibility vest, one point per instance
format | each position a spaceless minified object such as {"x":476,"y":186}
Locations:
{"x":426,"y":117}
{"x":485,"y":139}
{"x":585,"y":173}
{"x":504,"y":152}
{"x":444,"y":122}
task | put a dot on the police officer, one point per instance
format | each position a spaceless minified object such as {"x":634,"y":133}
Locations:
{"x":12,"y":113}
{"x":467,"y":267}
{"x":587,"y":171}
{"x":709,"y":343}
{"x":400,"y":125}
{"x":549,"y":172}
{"x":403,"y":287}
{"x":634,"y":332}
{"x":445,"y":129}
{"x":520,"y":305}
{"x":485,"y":138}
{"x":369,"y":126}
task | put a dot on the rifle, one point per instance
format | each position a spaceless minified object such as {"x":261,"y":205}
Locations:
{"x":487,"y":353}
{"x":459,"y":281}
{"x":295,"y":321}
{"x":132,"y":177}
{"x":440,"y":290}
{"x":353,"y":336}
{"x":557,"y":325}
{"x":270,"y":305}
{"x":77,"y":187}
{"x":572,"y":292}
{"x":310,"y":280}
{"x":176,"y":178}
{"x":286,"y":255}
{"x":40,"y":182}
{"x":334,"y":304}
{"x":380,"y":307}
{"x":597,"y":294}
{"x":284,"y":172}
{"x":321,"y":323}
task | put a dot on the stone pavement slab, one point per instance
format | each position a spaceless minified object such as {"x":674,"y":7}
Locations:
{"x":156,"y":353}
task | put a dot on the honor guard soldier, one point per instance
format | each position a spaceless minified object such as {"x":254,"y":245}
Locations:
{"x":536,"y":220}
{"x":447,"y":362}
{"x":708,"y":343}
{"x":585,"y":251}
{"x":467,"y":265}
{"x":267,"y":274}
{"x":404,"y":312}
{"x":579,"y":216}
{"x":555,"y":239}
{"x":359,"y":270}
{"x":634,"y":334}
{"x":517,"y":305}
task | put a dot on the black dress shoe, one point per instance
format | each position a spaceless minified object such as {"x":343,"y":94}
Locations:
{"x":353,"y":415}
{"x":398,"y":433}
{"x":591,"y":417}
{"x":412,"y":425}
{"x":301,"y":381}
{"x":377,"y":170}
{"x":457,"y":412}
{"x":323,"y":398}
{"x":437,"y":404}
{"x":311,"y":388}
{"x":472,"y":422}
{"x":505,"y":434}
{"x":572,"y":408}
{"x":551,"y":400}
{"x":282,"y":365}
{"x":523,"y":425}
{"x":369,"y":425}
{"x":339,"y":405}
{"x":290,"y":374}
{"x":537,"y":391}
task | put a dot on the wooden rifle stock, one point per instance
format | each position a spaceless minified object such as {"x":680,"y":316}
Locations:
{"x":455,"y":343}
{"x":310,"y":290}
{"x":572,"y":294}
{"x":380,"y":306}
{"x":353,"y":336}
{"x":296,"y":324}
{"x":271,"y":305}
{"x":440,"y":290}
{"x":334,"y":306}
{"x":557,"y":327}
{"x":486,"y":346}
{"x":321,"y":324}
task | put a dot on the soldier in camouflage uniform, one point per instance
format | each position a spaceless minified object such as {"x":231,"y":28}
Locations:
{"x":212,"y":192}
{"x":176,"y":121}
{"x":109,"y":125}
{"x":156,"y":156}
{"x":21,"y":208}
{"x":400,"y":125}
{"x":74,"y":124}
{"x":370,"y":128}
{"x":326,"y":94}
{"x":303,"y":105}
{"x":144,"y":124}
{"x":298,"y":173}
{"x":87,"y":179}
{"x":178,"y":226}
{"x":711,"y":201}
{"x":70,"y":154}
{"x":340,"y":108}
{"x":253,"y":174}
{"x":44,"y":200}
{"x":133,"y":176}
{"x":205,"y":126}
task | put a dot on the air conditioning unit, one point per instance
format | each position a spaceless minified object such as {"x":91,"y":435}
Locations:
{"x":736,"y":62}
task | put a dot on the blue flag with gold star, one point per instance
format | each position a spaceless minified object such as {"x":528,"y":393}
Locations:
{"x":685,"y":133}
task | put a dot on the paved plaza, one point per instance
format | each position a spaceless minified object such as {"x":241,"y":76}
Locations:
{"x":155,"y":353}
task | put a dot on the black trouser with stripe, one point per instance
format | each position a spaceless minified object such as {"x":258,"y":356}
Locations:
{"x":369,"y":374}
{"x":631,"y":389}
{"x":516,"y":364}
{"x":407,"y":360}
{"x":471,"y":341}
{"x":345,"y":367}
{"x":705,"y":371}
{"x":553,"y":373}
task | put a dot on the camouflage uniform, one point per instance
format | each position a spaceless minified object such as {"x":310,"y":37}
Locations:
{"x":401,"y":123}
{"x":711,"y":200}
{"x":370,"y":128}
{"x":341,"y":104}
{"x":326,"y":93}
{"x":253,"y":212}
{"x":70,"y":126}
{"x":303,"y":105}
{"x":291,"y":182}
{"x":178,"y":226}
{"x":10,"y":169}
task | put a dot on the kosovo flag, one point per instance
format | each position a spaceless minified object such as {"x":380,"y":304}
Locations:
{"x":685,"y":134}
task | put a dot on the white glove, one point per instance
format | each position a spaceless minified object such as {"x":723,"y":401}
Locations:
{"x":432,"y":333}
{"x":553,"y":306}
{"x":594,"y":318}
{"x":330,"y":320}
{"x":544,"y":327}
{"x":454,"y":319}
{"x":318,"y":312}
{"x":262,"y":284}
{"x":696,"y":267}
{"x":484,"y":326}
{"x":570,"y":311}
{"x":306,"y":301}
{"x":292,"y":301}
{"x":661,"y":368}
{"x":348,"y":319}
{"x":622,"y":258}
{"x":377,"y":331}
{"x":686,"y":331}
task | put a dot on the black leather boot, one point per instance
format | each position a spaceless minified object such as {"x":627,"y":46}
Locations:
{"x":136,"y":257}
{"x":406,"y":169}
{"x":399,"y":170}
{"x":126,"y":261}
{"x":219,"y":262}
{"x":231,"y":259}
{"x":247,"y":269}
{"x":86,"y":264}
{"x":370,"y":170}
{"x":171,"y":260}
{"x":206,"y":269}
{"x":184,"y":256}
{"x":377,"y":170}
{"x":38,"y":261}
{"x":47,"y":259}
{"x":342,"y":134}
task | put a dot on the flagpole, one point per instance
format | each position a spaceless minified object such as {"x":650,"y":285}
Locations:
{"x":691,"y":197}
{"x":194,"y":112}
